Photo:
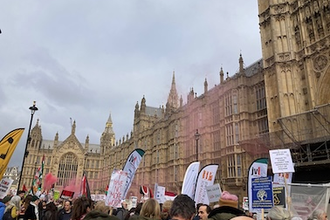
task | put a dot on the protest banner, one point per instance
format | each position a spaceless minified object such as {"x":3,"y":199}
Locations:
{"x":117,"y":186}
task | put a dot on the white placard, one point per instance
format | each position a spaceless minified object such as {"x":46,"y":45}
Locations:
{"x":5,"y":185}
{"x":214,"y":192}
{"x":281,"y":161}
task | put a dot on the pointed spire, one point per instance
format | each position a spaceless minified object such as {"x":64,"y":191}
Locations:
{"x":173,"y":98}
{"x":73,"y":128}
{"x":108,"y":126}
{"x":205,"y":86}
{"x":241,"y":63}
{"x":221,"y":75}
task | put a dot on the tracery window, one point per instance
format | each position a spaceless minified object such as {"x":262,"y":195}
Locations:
{"x":67,"y":169}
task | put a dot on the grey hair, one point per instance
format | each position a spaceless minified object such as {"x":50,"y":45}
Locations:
{"x":316,"y":214}
{"x":279,"y":213}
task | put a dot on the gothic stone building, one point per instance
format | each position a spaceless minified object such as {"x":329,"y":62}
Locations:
{"x":280,"y":101}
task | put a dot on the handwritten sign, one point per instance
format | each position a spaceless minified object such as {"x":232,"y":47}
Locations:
{"x":116,"y":188}
{"x":213,"y":192}
{"x":281,"y":161}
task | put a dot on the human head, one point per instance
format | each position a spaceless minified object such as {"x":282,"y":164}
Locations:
{"x":278,"y":213}
{"x":150,"y":209}
{"x":318,"y":214}
{"x":203,"y":211}
{"x":100,"y":206}
{"x":21,"y":193}
{"x":35,"y":199}
{"x":124,"y":204}
{"x":81,"y":206}
{"x":166,"y":207}
{"x":183,"y":208}
{"x":6,"y":199}
{"x":15,"y":200}
{"x":67,"y":205}
{"x":228,"y":199}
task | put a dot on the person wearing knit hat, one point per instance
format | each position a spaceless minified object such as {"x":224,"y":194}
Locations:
{"x":228,"y":208}
{"x":227,"y":199}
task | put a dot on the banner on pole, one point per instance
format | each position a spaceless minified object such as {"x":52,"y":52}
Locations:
{"x":205,"y":178}
{"x":130,"y":168}
{"x":190,"y":180}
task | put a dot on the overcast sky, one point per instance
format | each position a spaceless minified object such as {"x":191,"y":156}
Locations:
{"x":84,"y":59}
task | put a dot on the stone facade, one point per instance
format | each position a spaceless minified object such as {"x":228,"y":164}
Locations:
{"x":280,"y":101}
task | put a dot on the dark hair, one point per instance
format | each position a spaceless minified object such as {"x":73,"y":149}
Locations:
{"x":51,"y":212}
{"x":183,"y":206}
{"x":208,"y":208}
{"x":80,"y":206}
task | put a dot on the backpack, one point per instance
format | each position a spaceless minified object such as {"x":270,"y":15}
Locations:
{"x":7,"y":215}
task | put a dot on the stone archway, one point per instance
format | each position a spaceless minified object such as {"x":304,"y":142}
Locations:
{"x":322,"y":96}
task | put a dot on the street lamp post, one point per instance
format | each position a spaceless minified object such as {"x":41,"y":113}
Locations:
{"x":197,"y":135}
{"x":33,"y":109}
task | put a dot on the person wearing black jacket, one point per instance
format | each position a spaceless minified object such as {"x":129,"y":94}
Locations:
{"x":65,"y":212}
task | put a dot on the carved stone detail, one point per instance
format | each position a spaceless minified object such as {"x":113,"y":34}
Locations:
{"x":320,"y":62}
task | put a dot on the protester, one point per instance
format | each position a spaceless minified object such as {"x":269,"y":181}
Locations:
{"x":30,"y":208}
{"x":66,"y":211}
{"x":196,"y":217}
{"x":318,"y":214}
{"x":51,"y":211}
{"x":42,"y":209}
{"x":122,"y":211}
{"x":21,"y":194}
{"x":150,"y":210}
{"x":228,"y":208}
{"x":278,"y":213}
{"x":3,"y":204}
{"x":203,"y":211}
{"x":14,"y":206}
{"x":183,"y":208}
{"x":137,"y":211}
{"x":166,"y":207}
{"x":81,"y":206}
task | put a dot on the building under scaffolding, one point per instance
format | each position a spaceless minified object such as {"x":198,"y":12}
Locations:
{"x":307,"y":135}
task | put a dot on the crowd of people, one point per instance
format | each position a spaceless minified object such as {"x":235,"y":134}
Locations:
{"x":32,"y":207}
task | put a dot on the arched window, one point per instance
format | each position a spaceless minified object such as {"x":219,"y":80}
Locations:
{"x":67,"y":169}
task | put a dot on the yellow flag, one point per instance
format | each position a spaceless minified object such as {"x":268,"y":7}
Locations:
{"x":7,"y":147}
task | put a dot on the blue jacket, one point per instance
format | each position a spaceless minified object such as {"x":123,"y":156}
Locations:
{"x":2,"y":210}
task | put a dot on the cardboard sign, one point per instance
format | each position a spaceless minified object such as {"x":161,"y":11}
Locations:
{"x":281,"y":161}
{"x":66,"y":194}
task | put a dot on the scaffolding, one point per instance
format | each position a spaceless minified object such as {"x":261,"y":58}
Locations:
{"x":307,"y":135}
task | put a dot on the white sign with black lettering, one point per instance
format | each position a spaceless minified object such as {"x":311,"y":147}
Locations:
{"x":281,"y":161}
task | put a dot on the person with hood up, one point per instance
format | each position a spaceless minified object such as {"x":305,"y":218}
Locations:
{"x":14,"y":206}
{"x":228,"y":208}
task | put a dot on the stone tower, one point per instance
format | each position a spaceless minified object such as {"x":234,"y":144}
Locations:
{"x":295,"y":38}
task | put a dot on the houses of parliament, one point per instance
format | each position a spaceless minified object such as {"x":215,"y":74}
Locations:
{"x":280,"y":101}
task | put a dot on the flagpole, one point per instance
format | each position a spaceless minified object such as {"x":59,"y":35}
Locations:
{"x":33,"y":109}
